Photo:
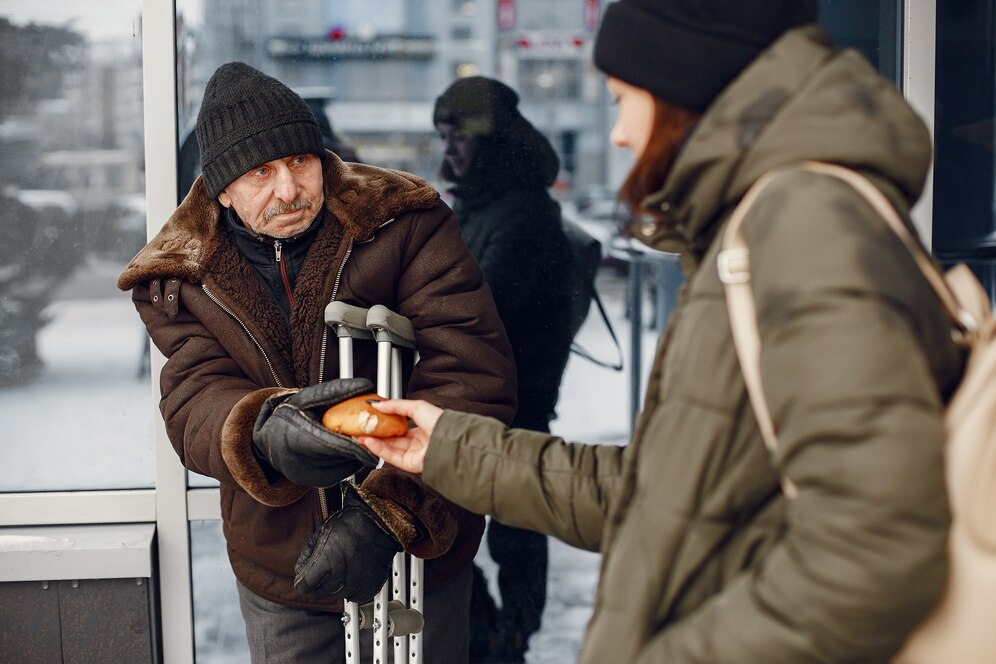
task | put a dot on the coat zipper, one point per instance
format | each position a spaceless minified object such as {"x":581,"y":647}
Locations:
{"x":231,"y":313}
{"x":323,"y":502}
{"x":325,"y":329}
{"x":282,"y":264}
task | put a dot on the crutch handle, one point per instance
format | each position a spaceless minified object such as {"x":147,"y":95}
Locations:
{"x":367,"y":610}
{"x":404,"y":621}
{"x":400,"y":619}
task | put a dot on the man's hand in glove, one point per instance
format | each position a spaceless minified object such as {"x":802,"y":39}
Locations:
{"x":289,"y":437}
{"x":350,"y":555}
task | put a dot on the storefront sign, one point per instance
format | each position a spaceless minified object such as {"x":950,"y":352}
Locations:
{"x":550,"y":41}
{"x":591,"y":14}
{"x":387,"y":46}
{"x":506,"y":14}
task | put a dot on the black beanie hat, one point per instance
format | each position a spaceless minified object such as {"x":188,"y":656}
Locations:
{"x":686,"y":51}
{"x":478,"y":105}
{"x":247,"y":119}
{"x":517,"y":152}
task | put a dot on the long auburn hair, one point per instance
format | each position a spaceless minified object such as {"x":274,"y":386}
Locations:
{"x":671,"y":126}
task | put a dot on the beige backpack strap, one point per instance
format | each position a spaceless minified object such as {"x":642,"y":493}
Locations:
{"x":734,"y":271}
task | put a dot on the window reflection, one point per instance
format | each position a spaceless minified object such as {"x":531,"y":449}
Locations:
{"x":873,"y":28}
{"x":372,"y":70}
{"x":965,"y":158}
{"x":74,"y":390}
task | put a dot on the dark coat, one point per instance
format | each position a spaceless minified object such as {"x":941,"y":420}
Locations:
{"x":513,"y":227}
{"x":704,"y":561}
{"x":387,"y":239}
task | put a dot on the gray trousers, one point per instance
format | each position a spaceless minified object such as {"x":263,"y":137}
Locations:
{"x":281,"y":635}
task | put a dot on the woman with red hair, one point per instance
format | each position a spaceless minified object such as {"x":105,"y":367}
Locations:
{"x":706,"y":558}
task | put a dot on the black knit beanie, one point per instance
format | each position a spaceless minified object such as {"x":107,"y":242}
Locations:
{"x":247,"y":119}
{"x":686,"y":51}
{"x":478,"y":105}
{"x":514,"y":152}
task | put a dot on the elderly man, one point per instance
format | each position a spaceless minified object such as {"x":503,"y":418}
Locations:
{"x":233,"y":290}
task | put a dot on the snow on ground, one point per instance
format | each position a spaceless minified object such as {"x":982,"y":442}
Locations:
{"x":89,"y":418}
{"x":89,"y":415}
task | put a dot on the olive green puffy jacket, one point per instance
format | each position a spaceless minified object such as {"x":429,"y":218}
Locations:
{"x":703,"y":559}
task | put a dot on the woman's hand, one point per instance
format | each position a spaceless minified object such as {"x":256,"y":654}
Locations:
{"x":405,"y":452}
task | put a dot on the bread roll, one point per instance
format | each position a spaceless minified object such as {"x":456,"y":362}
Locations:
{"x":356,"y":417}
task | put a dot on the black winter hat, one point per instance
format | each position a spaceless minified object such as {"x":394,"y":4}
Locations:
{"x":512,"y":150}
{"x":478,"y":105}
{"x":246,"y":119}
{"x":686,"y":51}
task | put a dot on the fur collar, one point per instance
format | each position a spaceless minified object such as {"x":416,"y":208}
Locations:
{"x":359,"y":197}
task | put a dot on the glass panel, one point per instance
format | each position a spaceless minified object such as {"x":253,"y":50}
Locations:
{"x":219,"y":632}
{"x":873,"y":28}
{"x":372,"y":69}
{"x":74,"y":385}
{"x":964,"y":223}
{"x":198,"y":481}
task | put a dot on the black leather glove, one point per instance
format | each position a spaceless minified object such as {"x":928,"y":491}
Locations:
{"x":289,"y":436}
{"x":350,"y":555}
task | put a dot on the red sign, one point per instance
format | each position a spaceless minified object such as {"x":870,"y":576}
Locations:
{"x":506,"y":14}
{"x":591,"y":14}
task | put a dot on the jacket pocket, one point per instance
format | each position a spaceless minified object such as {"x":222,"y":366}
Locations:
{"x":722,"y":552}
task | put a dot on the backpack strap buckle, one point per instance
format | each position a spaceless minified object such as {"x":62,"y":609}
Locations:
{"x":734,"y":265}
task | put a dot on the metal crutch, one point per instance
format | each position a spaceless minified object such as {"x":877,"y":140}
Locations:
{"x":387,"y":618}
{"x":348,"y":322}
{"x":392,"y":332}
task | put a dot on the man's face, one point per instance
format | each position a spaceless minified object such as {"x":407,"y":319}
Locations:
{"x":279,"y":198}
{"x":458,"y":148}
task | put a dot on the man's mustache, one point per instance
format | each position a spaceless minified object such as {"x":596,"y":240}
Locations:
{"x":303,"y":203}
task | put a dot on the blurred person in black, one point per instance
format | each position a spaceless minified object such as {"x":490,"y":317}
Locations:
{"x":501,"y":168}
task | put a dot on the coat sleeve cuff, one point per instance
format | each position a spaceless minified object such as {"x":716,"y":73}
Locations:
{"x":420,"y":519}
{"x":236,"y":450}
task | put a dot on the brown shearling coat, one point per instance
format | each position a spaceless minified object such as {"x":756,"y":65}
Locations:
{"x":387,"y":239}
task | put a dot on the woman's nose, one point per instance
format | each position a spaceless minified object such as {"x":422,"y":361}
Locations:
{"x":618,"y":137}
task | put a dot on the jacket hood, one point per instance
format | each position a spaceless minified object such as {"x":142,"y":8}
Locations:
{"x":360,"y":197}
{"x":801,"y":99}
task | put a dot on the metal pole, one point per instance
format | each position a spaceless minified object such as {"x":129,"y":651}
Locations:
{"x":636,"y":335}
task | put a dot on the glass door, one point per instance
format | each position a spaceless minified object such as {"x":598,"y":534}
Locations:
{"x":965,"y":159}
